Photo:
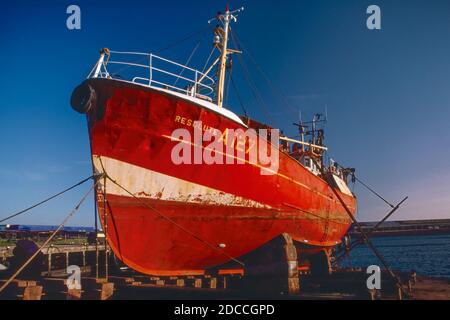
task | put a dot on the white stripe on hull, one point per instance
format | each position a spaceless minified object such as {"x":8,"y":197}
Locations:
{"x":146,"y":183}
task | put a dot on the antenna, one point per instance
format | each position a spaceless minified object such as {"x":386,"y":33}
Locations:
{"x":221,"y":42}
{"x":233,"y":14}
{"x":301,"y":128}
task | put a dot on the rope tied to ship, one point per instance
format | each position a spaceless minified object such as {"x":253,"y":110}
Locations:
{"x":364,"y":236}
{"x":50,"y":198}
{"x":361,"y":241}
{"x":50,"y":237}
{"x":394,"y":208}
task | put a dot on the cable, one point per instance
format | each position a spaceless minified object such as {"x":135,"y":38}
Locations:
{"x":251,"y":83}
{"x":374,"y":192}
{"x":169,"y":46}
{"x":187,"y":62}
{"x":48,"y":199}
{"x":227,"y":90}
{"x":274,"y":88}
{"x":368,"y":188}
{"x":362,"y":233}
{"x":238,"y":96}
{"x":49,"y":239}
{"x":207,"y":60}
{"x":174,"y":44}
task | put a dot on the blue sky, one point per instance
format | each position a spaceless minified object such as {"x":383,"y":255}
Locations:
{"x":386,"y":91}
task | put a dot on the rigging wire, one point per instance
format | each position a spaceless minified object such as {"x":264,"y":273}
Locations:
{"x":228,"y":86}
{"x":274,"y":88}
{"x":238,"y":96}
{"x":169,"y":46}
{"x":251,"y":83}
{"x":49,"y":238}
{"x":374,"y":192}
{"x":368,"y":188}
{"x":189,"y":36}
{"x":48,"y":199}
{"x":207,"y":60}
{"x":192,"y":55}
{"x":363,"y":234}
{"x":188,"y":61}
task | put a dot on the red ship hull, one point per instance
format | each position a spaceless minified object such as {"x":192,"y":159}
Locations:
{"x":187,"y":218}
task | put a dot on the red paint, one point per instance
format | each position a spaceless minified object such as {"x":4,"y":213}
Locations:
{"x":127,"y":124}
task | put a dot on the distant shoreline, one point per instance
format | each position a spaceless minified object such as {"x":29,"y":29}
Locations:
{"x":403,"y":228}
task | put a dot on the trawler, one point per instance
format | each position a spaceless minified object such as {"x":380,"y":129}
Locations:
{"x":166,"y":218}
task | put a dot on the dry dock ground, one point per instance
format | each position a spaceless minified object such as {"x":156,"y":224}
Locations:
{"x":343,"y":284}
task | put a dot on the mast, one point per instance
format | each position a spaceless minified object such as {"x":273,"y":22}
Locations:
{"x":223,"y":58}
{"x":222,"y":44}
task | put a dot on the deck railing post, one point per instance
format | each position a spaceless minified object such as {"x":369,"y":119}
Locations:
{"x":49,"y":266}
{"x":194,"y":92}
{"x":194,"y":83}
{"x":98,"y":68}
{"x":151,"y":70}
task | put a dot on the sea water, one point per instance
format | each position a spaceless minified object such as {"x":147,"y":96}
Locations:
{"x":425,"y":254}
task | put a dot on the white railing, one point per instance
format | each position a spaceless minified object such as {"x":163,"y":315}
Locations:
{"x":152,"y":70}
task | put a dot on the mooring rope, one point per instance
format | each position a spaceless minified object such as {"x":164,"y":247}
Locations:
{"x":369,"y":233}
{"x":363,"y":234}
{"x":355,"y":178}
{"x":48,"y":199}
{"x":174,"y":222}
{"x":374,"y":192}
{"x":49,"y":238}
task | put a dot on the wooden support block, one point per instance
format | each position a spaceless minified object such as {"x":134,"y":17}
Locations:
{"x":56,"y":289}
{"x":198,"y":283}
{"x":175,"y":281}
{"x":121,"y":281}
{"x":73,"y":294}
{"x":193,"y":282}
{"x":107,"y":291}
{"x":147,"y":279}
{"x":180,"y":283}
{"x":293,"y":285}
{"x":32,"y":293}
{"x":21,"y":290}
{"x":212,"y":283}
{"x":102,"y":291}
{"x":399,"y":293}
{"x":160,"y":282}
{"x":92,"y":282}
